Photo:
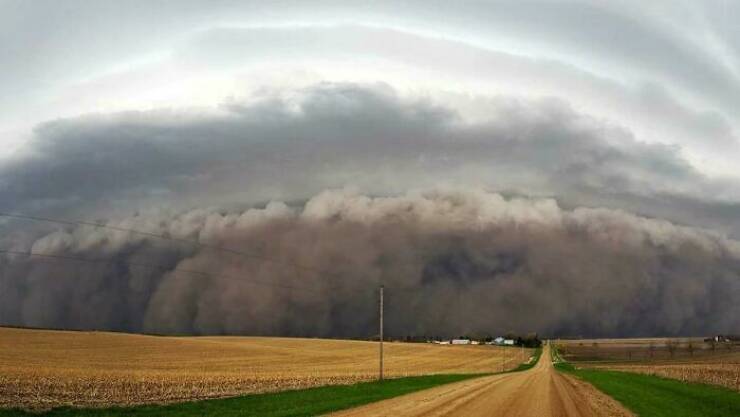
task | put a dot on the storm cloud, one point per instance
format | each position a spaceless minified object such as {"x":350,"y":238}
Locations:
{"x":562,"y":167}
{"x":348,"y":134}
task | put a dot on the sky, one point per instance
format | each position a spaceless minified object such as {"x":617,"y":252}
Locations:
{"x":157,"y":113}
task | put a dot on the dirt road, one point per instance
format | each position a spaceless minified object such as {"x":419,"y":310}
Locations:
{"x":540,"y":391}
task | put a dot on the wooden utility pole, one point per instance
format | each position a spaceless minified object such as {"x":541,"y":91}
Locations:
{"x":503,"y":360}
{"x":381,"y":333}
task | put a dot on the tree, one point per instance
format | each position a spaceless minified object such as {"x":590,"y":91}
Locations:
{"x":671,"y":346}
{"x":532,"y":340}
{"x":690,"y":347}
{"x":712,"y":345}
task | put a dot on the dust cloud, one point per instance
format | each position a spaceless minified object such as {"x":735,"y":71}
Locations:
{"x":453,"y":262}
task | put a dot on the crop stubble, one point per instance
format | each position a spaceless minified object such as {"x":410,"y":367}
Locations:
{"x":703,"y":363}
{"x":42,"y":369}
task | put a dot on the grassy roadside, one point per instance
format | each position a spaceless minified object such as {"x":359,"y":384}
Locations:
{"x":652,"y":396}
{"x":306,"y":402}
{"x":531,"y":364}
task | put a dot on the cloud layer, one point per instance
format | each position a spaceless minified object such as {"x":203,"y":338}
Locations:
{"x":290,"y":144}
{"x":669,"y":72}
{"x":543,"y":131}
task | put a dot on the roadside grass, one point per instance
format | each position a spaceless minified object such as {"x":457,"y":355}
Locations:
{"x":305,"y":402}
{"x":653,"y":396}
{"x":531,"y":364}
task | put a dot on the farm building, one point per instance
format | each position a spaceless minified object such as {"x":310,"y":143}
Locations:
{"x":719,"y":339}
{"x":460,"y":341}
{"x":499,"y":340}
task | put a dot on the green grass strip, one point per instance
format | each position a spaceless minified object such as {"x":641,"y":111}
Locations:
{"x":531,"y":364}
{"x":652,"y":396}
{"x":305,"y":402}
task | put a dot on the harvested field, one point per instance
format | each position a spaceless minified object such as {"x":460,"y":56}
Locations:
{"x":656,"y":349}
{"x":41,"y":368}
{"x":688,"y":360}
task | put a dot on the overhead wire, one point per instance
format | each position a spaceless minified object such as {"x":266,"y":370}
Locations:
{"x":169,"y":238}
{"x":297,"y":266}
{"x":163,"y":268}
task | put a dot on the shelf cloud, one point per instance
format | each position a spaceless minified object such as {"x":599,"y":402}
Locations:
{"x":292,"y":144}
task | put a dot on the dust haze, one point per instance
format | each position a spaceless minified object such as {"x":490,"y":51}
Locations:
{"x":453,"y":261}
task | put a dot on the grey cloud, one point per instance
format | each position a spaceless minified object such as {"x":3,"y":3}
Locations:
{"x":292,"y":145}
{"x":652,"y":105}
{"x":690,"y":95}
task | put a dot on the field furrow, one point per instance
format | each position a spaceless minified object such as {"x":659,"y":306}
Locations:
{"x":50,"y":368}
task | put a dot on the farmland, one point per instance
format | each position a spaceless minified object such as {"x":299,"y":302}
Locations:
{"x":687,"y":360}
{"x":43,"y":369}
{"x":292,"y":403}
{"x":649,"y":395}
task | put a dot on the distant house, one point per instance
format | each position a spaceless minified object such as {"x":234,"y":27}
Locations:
{"x":499,"y":340}
{"x":719,"y":338}
{"x":460,"y":341}
{"x":509,"y":342}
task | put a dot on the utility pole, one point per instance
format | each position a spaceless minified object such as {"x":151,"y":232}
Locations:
{"x":381,"y":333}
{"x":503,"y":358}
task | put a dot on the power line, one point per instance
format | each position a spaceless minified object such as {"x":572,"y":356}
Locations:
{"x":153,"y":267}
{"x":163,"y":268}
{"x":195,"y":242}
{"x":296,"y":266}
{"x":169,"y":238}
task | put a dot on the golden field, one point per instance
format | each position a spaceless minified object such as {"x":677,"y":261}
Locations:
{"x":44,"y":368}
{"x":689,"y":359}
